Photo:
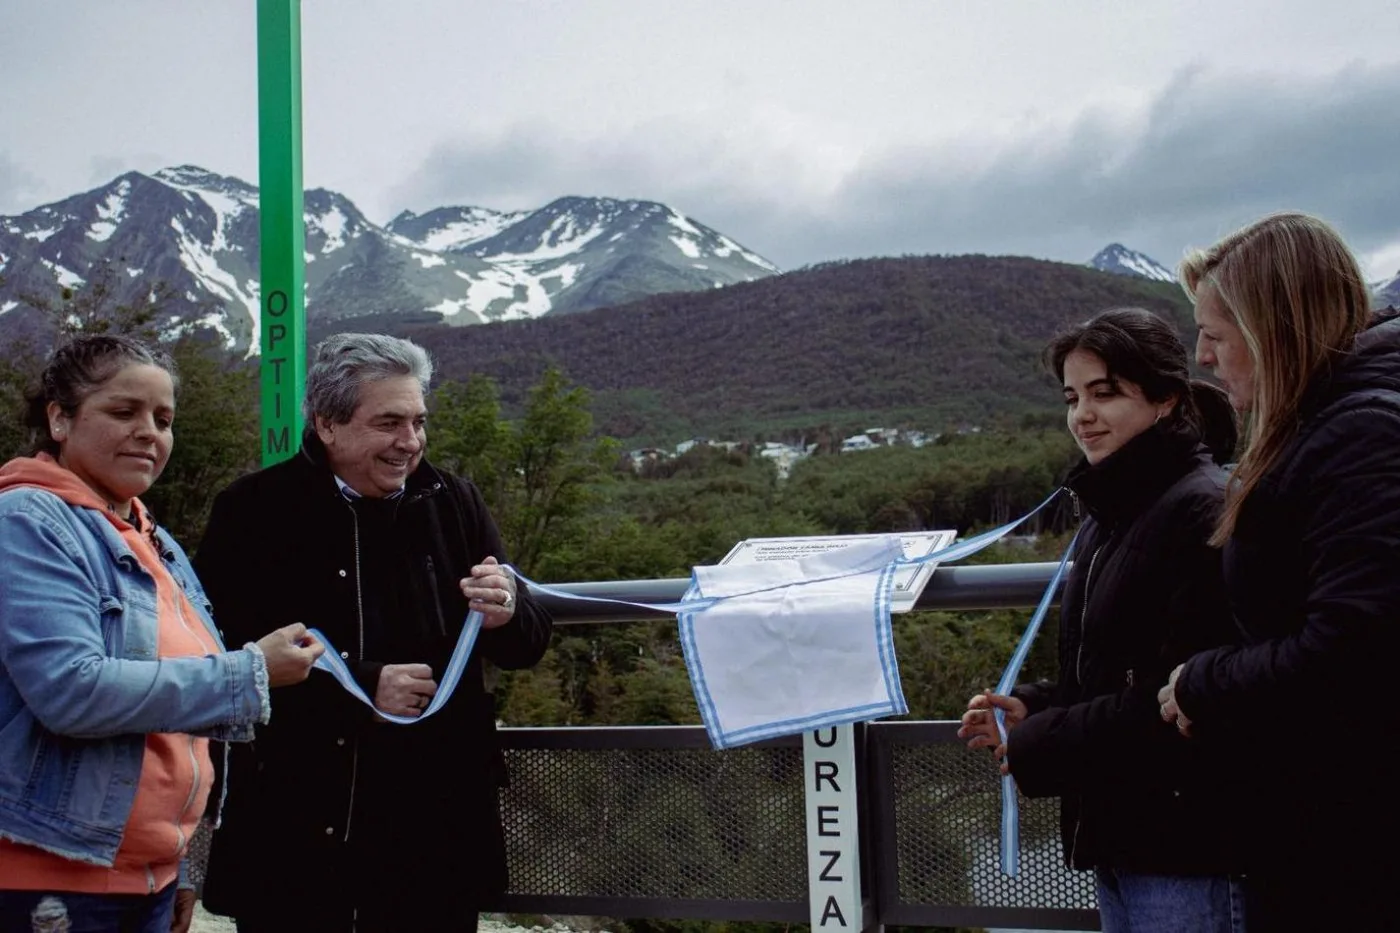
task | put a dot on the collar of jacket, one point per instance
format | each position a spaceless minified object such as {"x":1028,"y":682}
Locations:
{"x":424,"y":481}
{"x":1372,"y":363}
{"x":1125,"y":482}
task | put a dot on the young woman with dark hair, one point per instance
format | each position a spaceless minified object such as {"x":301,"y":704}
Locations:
{"x":1145,"y":592}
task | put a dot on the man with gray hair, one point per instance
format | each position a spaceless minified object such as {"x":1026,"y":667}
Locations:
{"x":336,"y":819}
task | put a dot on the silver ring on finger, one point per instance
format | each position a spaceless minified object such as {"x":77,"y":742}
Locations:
{"x":508,"y":601}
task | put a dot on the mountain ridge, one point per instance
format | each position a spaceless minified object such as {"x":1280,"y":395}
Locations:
{"x":197,"y":231}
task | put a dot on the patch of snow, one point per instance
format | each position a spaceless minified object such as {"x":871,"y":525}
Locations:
{"x":685,"y":226}
{"x":428,"y":260}
{"x":308,"y":257}
{"x":699,"y":265}
{"x":134,"y":272}
{"x":200,"y":261}
{"x":556,"y":279}
{"x":332,"y":224}
{"x":491,"y":285}
{"x":110,"y":213}
{"x":449,"y":307}
{"x":213,"y":320}
{"x":40,"y":235}
{"x":67,"y":278}
{"x":685,"y":245}
{"x":8,"y":307}
{"x":728,"y":247}
{"x":1145,"y":267}
{"x":562,"y":239}
{"x":476,"y":224}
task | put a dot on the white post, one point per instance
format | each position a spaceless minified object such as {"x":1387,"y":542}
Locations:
{"x":833,"y":839}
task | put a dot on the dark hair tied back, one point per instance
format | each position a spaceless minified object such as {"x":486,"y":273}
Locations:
{"x":78,"y":368}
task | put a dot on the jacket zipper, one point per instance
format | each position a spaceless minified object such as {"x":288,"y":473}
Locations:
{"x":1083,"y":618}
{"x":177,"y":595}
{"x":433,"y":592}
{"x":1079,"y":674}
{"x":360,"y":656}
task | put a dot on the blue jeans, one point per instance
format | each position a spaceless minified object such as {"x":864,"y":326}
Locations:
{"x":1136,"y":903}
{"x":66,"y":912}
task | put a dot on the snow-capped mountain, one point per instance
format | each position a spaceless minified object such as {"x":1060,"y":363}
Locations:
{"x":446,"y":228}
{"x":1387,"y":292}
{"x":197,"y":233}
{"x":576,"y":254}
{"x":1119,"y":260}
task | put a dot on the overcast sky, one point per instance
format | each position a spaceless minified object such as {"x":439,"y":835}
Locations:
{"x":809,"y":131}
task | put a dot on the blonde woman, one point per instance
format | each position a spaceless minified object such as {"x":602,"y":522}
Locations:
{"x":1311,"y":536}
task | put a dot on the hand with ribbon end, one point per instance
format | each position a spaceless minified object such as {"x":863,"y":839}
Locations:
{"x":405,"y":689}
{"x":979,"y":724}
{"x":290,"y":651}
{"x":1170,"y":711}
{"x":491,"y":592}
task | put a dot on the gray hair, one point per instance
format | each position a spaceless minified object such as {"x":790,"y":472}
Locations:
{"x":344,"y":363}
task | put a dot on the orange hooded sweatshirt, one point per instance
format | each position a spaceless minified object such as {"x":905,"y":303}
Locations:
{"x":176,"y":773}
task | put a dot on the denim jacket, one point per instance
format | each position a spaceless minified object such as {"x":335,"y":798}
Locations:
{"x":80,"y":683}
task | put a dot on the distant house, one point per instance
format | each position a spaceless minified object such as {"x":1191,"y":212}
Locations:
{"x":784,"y":456}
{"x":645,"y":455}
{"x":857,"y":442}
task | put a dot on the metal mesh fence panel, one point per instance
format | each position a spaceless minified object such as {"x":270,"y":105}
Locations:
{"x":947,"y":823}
{"x":656,"y":823}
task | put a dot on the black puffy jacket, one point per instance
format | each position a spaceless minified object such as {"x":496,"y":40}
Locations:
{"x":1313,"y":576}
{"x":1145,"y":593}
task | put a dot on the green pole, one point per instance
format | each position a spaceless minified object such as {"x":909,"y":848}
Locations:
{"x":282,"y":228}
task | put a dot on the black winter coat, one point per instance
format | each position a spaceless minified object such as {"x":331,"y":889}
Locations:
{"x":1144,"y":594}
{"x":1313,"y":575}
{"x":327,"y":800}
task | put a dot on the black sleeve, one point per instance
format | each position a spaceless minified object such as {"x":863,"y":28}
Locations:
{"x":1037,"y":696}
{"x":522,"y":641}
{"x":1346,"y":634}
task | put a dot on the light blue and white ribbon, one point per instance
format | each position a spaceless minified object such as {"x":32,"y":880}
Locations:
{"x":1010,"y":809}
{"x":331,"y":663}
{"x":853,"y":583}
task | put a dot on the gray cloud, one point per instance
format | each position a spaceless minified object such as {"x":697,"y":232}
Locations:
{"x":1210,"y":153}
{"x":18,"y":186}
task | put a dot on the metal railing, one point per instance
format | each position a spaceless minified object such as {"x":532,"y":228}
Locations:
{"x":987,"y":586}
{"x":650,"y":822}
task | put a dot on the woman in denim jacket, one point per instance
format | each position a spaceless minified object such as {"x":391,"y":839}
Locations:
{"x":112,"y":675}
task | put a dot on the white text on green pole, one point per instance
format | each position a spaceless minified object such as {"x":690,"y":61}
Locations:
{"x":282,"y":227}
